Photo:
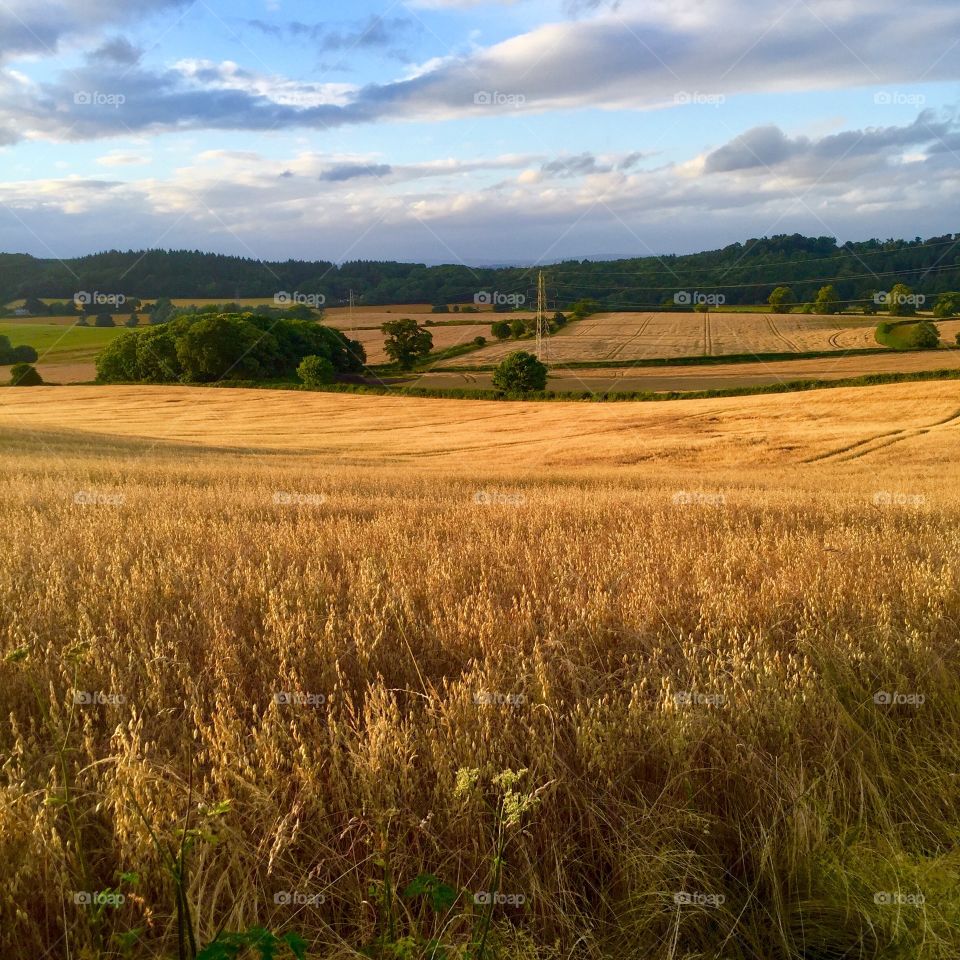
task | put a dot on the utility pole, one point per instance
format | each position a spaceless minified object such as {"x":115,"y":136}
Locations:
{"x":351,"y":308}
{"x":543,"y":325}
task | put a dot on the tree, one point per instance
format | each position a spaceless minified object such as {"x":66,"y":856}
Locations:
{"x":406,"y":342}
{"x":35,"y":306}
{"x":214,"y":348}
{"x":520,"y":372}
{"x":902,"y":302}
{"x":827,"y":301}
{"x":559,"y":320}
{"x":780,"y":300}
{"x":316,"y":371}
{"x":947,"y":305}
{"x":440,"y":308}
{"x":518,"y":328}
{"x":132,"y":321}
{"x":925,"y":336}
{"x":162,"y":311}
{"x":24,"y":375}
{"x":585,"y":307}
{"x":479,"y":341}
{"x":501,"y":329}
{"x":104,"y":320}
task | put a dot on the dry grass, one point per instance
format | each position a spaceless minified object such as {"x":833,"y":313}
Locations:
{"x":593,"y":593}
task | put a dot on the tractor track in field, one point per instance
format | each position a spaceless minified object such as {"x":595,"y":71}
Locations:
{"x":626,"y":343}
{"x":880,"y":441}
{"x":775,"y":330}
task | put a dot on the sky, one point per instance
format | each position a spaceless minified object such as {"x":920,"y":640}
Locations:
{"x":473,"y":131}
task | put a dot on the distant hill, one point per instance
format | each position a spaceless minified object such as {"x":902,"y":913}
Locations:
{"x":743,"y":273}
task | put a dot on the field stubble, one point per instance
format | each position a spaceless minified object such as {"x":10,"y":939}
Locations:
{"x":685,"y":661}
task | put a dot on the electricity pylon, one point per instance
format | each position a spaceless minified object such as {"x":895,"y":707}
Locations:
{"x":543,"y":325}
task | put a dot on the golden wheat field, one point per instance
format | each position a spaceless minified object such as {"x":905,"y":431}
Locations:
{"x":645,"y":336}
{"x":413,"y":678}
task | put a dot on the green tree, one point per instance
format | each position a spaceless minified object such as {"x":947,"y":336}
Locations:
{"x":316,"y":371}
{"x":24,"y":375}
{"x":827,"y":300}
{"x":947,"y":305}
{"x":501,"y":329}
{"x":132,"y":321}
{"x":215,"y":348}
{"x":517,"y":327}
{"x":162,"y":311}
{"x":406,"y":342}
{"x":925,"y":336}
{"x":780,"y":300}
{"x":901,"y":302}
{"x":104,"y":319}
{"x":520,"y":372}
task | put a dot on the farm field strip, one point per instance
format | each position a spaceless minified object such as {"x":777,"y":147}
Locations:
{"x":607,"y":336}
{"x":471,"y":433}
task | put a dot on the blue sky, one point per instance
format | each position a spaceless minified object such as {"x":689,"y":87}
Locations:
{"x":476,"y":132}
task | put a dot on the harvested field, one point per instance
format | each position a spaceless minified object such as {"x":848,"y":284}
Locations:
{"x":717,"y":376}
{"x":446,"y":335}
{"x":646,"y":336}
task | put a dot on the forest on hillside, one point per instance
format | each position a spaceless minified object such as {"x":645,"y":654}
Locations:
{"x":743,"y":273}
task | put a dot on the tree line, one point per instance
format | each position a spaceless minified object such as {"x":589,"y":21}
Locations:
{"x":744,"y":273}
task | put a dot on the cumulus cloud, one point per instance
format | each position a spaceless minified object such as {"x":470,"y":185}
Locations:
{"x":31,"y":27}
{"x":303,"y":209}
{"x":641,"y":57}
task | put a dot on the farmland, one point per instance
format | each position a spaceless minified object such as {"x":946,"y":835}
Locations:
{"x":639,"y":336}
{"x":683,"y":657}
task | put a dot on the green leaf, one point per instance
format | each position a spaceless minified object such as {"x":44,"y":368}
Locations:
{"x":15,"y":656}
{"x":441,"y":896}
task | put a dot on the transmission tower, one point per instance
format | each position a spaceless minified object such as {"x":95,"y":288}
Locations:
{"x":543,"y":328}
